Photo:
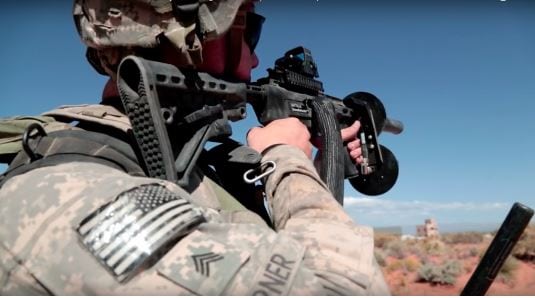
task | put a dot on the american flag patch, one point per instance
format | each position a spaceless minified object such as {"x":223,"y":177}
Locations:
{"x":137,"y":228}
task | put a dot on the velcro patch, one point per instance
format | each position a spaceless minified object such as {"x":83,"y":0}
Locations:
{"x":202,"y":265}
{"x":276,"y":276}
{"x":137,"y":227}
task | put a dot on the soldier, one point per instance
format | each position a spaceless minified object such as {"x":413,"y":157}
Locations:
{"x":78,"y":217}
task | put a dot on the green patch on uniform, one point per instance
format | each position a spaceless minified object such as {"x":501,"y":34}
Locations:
{"x":278,"y":272}
{"x":202,"y":265}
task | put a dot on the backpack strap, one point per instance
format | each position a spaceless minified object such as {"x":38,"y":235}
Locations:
{"x":73,"y":144}
{"x":12,"y":129}
{"x":69,"y":146}
{"x":100,"y":114}
{"x":105,"y":116}
{"x":230,"y":160}
{"x":226,"y":200}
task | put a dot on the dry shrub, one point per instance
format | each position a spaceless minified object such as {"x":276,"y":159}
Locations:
{"x":473,"y":252}
{"x":525,"y":248}
{"x":406,"y":265}
{"x":425,"y":259}
{"x":507,"y":272}
{"x":412,"y":264}
{"x":445,"y":274}
{"x":382,"y":239}
{"x":466,"y":238}
{"x":415,"y":247}
{"x":394,"y":266}
{"x":396,"y":249}
{"x":465,"y":254}
{"x":435,"y":247}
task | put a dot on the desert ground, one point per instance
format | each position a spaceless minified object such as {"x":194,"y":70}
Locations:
{"x":442,"y":265}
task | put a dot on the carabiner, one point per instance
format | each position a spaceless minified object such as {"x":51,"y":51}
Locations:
{"x":26,"y":138}
{"x":271,"y":168}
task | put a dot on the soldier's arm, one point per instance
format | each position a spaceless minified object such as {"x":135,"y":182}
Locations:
{"x":338,"y":251}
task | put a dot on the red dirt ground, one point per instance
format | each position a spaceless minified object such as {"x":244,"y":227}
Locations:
{"x":404,"y":283}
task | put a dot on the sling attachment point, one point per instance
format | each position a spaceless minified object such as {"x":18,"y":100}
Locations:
{"x":271,"y":166}
{"x":26,"y":139}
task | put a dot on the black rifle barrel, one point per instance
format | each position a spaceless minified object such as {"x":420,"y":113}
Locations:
{"x":393,"y":126}
{"x":498,"y":251}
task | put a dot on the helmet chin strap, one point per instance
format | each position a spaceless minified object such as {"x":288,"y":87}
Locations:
{"x":183,"y":34}
{"x":186,"y":41}
{"x":186,"y":10}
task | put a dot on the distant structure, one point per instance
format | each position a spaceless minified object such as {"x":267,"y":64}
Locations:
{"x":428,"y":229}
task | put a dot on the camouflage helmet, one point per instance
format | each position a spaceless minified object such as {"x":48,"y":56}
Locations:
{"x":113,"y":29}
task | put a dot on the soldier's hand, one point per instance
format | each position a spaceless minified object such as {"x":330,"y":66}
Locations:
{"x":289,"y":131}
{"x":349,"y":134}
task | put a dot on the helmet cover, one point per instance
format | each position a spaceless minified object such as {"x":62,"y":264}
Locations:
{"x":115,"y":28}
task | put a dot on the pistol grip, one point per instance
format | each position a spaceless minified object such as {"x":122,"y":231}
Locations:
{"x":350,"y":167}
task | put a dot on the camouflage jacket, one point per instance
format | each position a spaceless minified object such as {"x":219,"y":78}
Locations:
{"x":315,"y":248}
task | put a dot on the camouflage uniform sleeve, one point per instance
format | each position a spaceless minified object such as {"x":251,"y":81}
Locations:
{"x":41,"y":251}
{"x":339,"y":252}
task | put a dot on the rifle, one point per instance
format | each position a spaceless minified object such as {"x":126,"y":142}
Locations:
{"x":291,"y":90}
{"x":175,"y":112}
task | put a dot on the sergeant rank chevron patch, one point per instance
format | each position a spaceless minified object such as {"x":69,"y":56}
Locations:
{"x":202,"y":262}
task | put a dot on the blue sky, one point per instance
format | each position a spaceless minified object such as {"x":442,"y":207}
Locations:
{"x":459,"y":74}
